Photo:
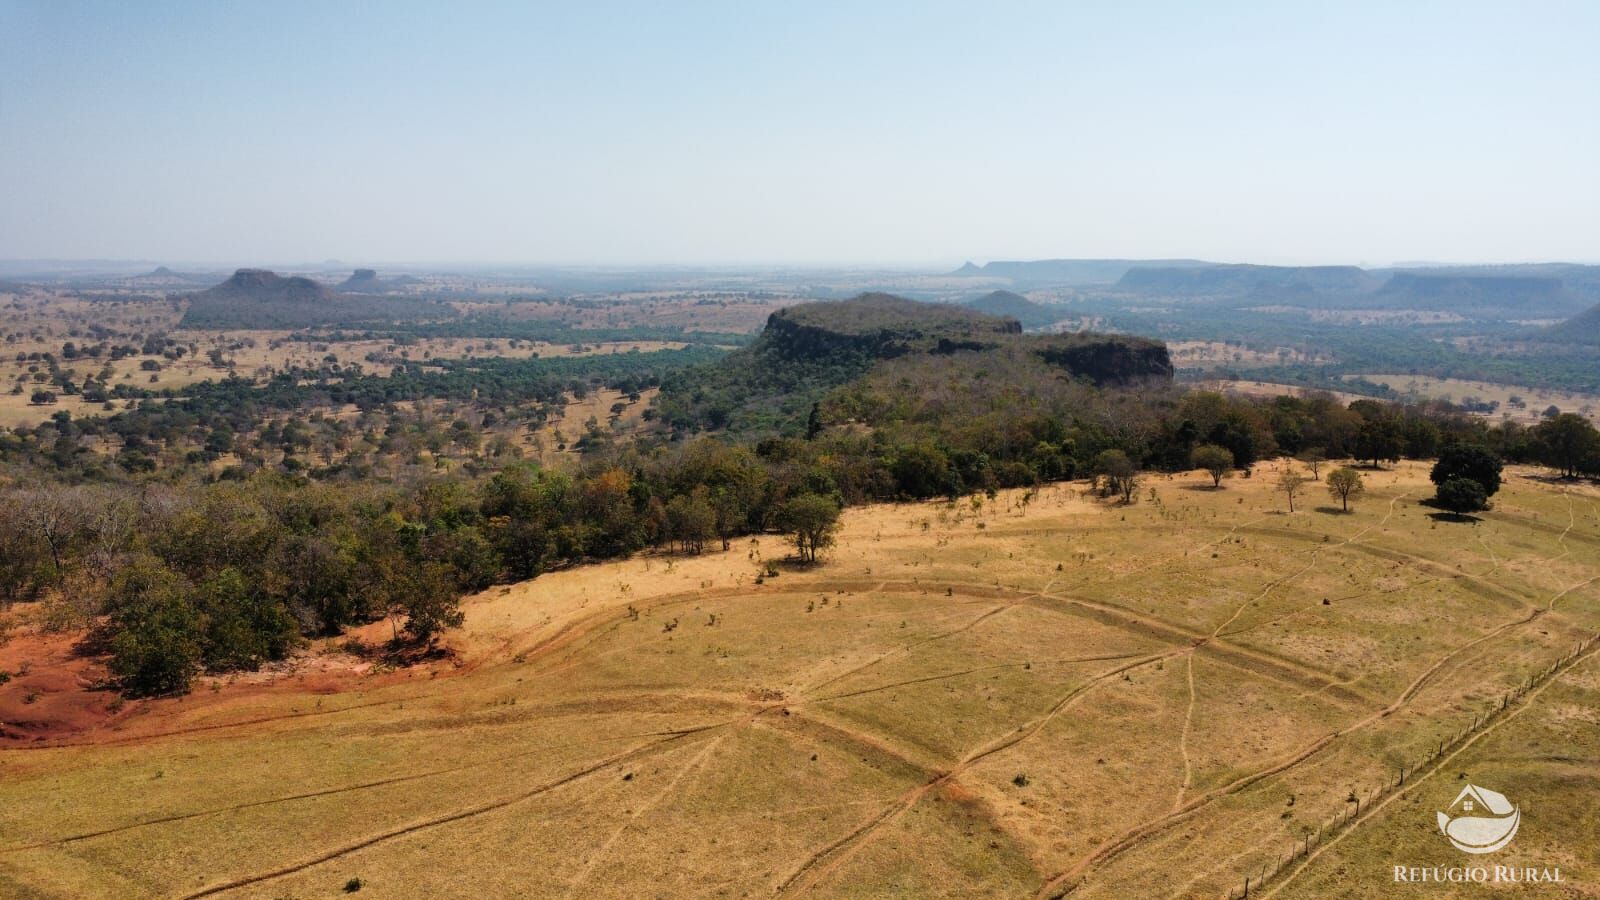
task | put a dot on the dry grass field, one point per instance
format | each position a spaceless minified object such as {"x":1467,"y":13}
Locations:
{"x":1534,"y":400}
{"x":1268,"y":389}
{"x":980,"y":699}
{"x":1212,"y":354}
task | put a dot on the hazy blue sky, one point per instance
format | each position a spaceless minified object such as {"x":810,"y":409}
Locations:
{"x":799,"y":132}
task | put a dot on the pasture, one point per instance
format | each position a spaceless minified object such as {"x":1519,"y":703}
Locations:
{"x":1033,"y":695}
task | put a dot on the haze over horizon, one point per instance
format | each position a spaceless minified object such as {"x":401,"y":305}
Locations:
{"x":722,"y":135}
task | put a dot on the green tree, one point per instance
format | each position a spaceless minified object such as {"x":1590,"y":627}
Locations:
{"x":1118,"y":474}
{"x":1345,"y":484}
{"x":1566,"y":442}
{"x":1468,"y":461}
{"x":1214,"y":459}
{"x":691,"y":520}
{"x":923,"y":471}
{"x":1379,"y":440}
{"x":811,"y":521}
{"x":425,"y":597}
{"x":241,"y":626}
{"x":156,"y":634}
{"x":1462,"y":495}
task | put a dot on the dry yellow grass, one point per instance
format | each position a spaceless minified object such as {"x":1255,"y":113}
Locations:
{"x":1211,"y":354}
{"x":1534,"y":400}
{"x":1151,"y":700}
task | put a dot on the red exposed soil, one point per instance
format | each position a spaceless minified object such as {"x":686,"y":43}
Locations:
{"x":54,"y":689}
{"x":58,"y":692}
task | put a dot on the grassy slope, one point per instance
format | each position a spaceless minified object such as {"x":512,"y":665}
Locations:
{"x":1141,"y":666}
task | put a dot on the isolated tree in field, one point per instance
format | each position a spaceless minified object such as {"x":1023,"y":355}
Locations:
{"x":1345,"y":483}
{"x":1290,"y":482}
{"x":810,"y":520}
{"x":1314,"y":458}
{"x":1462,"y":495}
{"x":1214,"y":459}
{"x":1118,"y":474}
{"x":1469,"y":461}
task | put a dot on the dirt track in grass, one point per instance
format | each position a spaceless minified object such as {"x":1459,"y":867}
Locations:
{"x":1062,"y":696}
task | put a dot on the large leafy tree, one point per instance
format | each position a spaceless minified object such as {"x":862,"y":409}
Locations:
{"x":1469,"y":461}
{"x":1569,"y":443}
{"x":1462,"y":495}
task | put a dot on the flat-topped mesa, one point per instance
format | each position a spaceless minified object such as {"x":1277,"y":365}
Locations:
{"x":362,"y":280}
{"x":1244,"y":279}
{"x":265,"y":284}
{"x":878,"y":325}
{"x":261,"y":298}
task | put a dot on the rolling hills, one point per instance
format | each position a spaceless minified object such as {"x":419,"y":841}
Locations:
{"x":1584,"y":328}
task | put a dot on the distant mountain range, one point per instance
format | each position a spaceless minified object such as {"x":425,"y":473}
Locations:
{"x":1243,"y":279}
{"x":1544,"y":290}
{"x":260,"y":298}
{"x":1068,"y":271}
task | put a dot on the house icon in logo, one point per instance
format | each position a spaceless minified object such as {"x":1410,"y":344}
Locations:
{"x":1480,"y":820}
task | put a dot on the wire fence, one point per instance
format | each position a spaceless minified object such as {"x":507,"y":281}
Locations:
{"x":1351,"y":813}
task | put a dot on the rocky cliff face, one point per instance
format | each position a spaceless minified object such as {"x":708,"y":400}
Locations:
{"x":875,"y":327}
{"x":1108,"y":359}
